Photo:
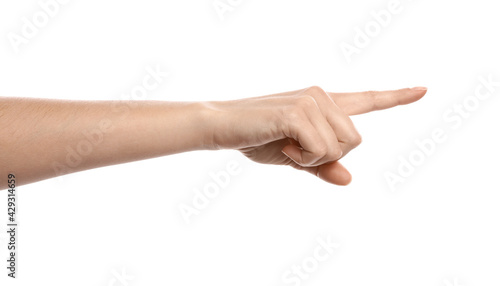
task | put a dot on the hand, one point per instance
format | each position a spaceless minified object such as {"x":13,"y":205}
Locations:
{"x":308,"y":129}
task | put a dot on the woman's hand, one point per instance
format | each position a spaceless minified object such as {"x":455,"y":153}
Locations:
{"x":308,"y":129}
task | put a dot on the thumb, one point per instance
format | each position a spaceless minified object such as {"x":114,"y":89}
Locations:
{"x":334,"y":173}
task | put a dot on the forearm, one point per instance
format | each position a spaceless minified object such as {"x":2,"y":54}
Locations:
{"x":46,"y":138}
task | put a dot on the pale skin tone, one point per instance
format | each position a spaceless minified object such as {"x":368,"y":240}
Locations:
{"x":308,"y":129}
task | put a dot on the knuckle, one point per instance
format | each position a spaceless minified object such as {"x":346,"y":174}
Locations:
{"x":355,"y":139}
{"x":305,"y":102}
{"x":317,"y":92}
{"x":336,"y":153}
{"x":315,"y":89}
{"x":320,"y":151}
{"x":293,"y":115}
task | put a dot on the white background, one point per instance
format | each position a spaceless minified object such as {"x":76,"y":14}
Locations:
{"x":441,"y":226}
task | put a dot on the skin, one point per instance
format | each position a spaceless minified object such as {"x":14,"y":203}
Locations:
{"x":308,"y":129}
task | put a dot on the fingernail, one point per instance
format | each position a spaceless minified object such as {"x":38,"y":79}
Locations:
{"x":419,"y":88}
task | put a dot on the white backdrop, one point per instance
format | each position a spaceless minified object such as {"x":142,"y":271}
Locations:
{"x":439,"y":224}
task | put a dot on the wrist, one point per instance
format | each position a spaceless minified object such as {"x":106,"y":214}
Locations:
{"x":209,"y":117}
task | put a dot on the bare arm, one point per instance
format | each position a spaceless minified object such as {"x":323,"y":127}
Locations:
{"x":43,"y":138}
{"x":307,"y":129}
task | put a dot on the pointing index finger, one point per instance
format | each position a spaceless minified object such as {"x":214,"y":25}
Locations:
{"x":367,"y":101}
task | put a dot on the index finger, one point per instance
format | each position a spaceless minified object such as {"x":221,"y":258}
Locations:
{"x":362,"y":102}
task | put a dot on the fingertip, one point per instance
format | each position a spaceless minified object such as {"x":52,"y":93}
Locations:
{"x":346,"y":179}
{"x":419,"y":91}
{"x":410,"y":95}
{"x":335,"y":173}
